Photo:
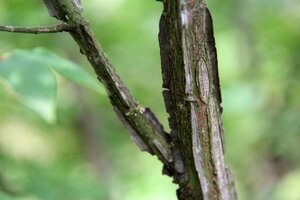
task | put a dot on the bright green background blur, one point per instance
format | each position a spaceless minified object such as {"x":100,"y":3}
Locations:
{"x":88,"y":155}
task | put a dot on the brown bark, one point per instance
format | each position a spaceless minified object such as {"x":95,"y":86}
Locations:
{"x":145,"y":129}
{"x":193,"y":100}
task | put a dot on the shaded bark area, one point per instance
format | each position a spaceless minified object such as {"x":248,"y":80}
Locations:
{"x":193,"y":101}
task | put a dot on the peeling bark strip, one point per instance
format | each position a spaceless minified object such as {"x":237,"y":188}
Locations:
{"x":193,"y":100}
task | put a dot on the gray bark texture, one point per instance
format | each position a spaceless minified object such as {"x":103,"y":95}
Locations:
{"x":193,"y":153}
{"x":193,"y":101}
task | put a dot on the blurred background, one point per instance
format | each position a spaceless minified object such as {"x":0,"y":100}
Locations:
{"x":86,"y":153}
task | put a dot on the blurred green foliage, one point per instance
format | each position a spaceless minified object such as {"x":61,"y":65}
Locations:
{"x":88,"y":155}
{"x":29,"y":74}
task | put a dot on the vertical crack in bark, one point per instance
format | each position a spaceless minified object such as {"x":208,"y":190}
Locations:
{"x":193,"y":98}
{"x":197,"y":151}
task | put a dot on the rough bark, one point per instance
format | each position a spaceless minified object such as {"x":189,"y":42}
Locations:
{"x":145,"y":129}
{"x":193,"y":101}
{"x":193,"y":153}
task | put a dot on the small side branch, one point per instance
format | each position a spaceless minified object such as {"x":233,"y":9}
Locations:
{"x":146,"y":131}
{"x":36,"y":30}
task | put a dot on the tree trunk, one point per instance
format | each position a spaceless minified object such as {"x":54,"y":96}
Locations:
{"x":192,"y":97}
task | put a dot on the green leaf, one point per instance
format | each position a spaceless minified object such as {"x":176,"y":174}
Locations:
{"x":68,"y":69}
{"x":32,"y":83}
{"x":28,"y":73}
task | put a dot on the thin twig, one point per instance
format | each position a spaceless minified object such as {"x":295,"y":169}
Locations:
{"x":36,"y":30}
